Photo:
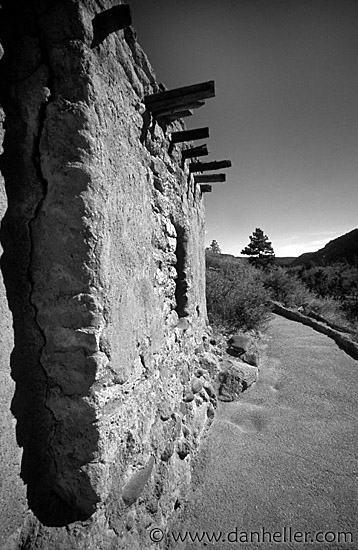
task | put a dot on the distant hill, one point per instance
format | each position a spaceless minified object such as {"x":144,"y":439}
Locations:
{"x":344,"y":248}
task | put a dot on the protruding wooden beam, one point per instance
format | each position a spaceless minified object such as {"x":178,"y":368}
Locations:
{"x":189,"y":135}
{"x":181,"y":107}
{"x":180,"y":96}
{"x":206,"y":188}
{"x":210,"y":178}
{"x":176,"y":116}
{"x":205,"y":89}
{"x":205,"y":166}
{"x":200,"y":151}
{"x":112,"y":20}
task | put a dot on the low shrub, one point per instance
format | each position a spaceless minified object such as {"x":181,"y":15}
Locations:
{"x":350,"y":308}
{"x":236,"y":296}
{"x":291,"y":291}
{"x":286,"y":288}
{"x":239,"y":296}
{"x":329,"y":309}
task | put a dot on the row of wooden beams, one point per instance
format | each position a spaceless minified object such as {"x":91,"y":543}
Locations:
{"x":186,"y":94}
{"x":205,"y":188}
{"x":200,"y":151}
{"x":173,"y":104}
{"x":206,"y":166}
{"x":210,"y":178}
{"x":190,"y":135}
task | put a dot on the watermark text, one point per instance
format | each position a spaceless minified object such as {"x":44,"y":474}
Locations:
{"x":261,"y":536}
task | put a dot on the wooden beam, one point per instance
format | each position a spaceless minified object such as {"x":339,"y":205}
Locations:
{"x":181,"y":107}
{"x":210,"y":178}
{"x":207,"y":89}
{"x":205,"y":166}
{"x":200,"y":151}
{"x":176,"y":116}
{"x":206,"y":188}
{"x":175,"y":104}
{"x":180,"y":96}
{"x":189,"y":135}
{"x":108,"y":21}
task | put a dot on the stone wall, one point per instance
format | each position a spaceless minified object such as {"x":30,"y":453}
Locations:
{"x":103,"y":265}
{"x":12,"y":494}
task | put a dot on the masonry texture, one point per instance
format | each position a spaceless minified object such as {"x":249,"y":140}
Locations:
{"x":103,"y":265}
{"x":12,"y":491}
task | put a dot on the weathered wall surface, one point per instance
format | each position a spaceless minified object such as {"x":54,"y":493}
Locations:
{"x":104,"y":269}
{"x":12,"y":493}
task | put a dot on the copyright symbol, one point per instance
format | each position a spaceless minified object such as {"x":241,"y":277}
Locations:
{"x":156,"y":534}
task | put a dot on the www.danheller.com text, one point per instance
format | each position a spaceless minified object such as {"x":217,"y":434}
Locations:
{"x":262,"y":535}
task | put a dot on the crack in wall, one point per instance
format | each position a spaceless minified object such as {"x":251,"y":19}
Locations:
{"x":15,"y":236}
{"x":36,"y":158}
{"x":26,"y":103}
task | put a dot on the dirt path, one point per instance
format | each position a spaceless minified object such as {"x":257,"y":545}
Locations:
{"x":284,"y":458}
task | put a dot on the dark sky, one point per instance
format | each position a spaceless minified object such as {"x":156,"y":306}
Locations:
{"x":285,"y":112}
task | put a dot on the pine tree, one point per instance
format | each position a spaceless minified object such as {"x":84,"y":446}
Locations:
{"x":259,"y":249}
{"x":214,"y":248}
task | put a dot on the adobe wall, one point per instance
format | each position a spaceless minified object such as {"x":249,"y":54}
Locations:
{"x":103,"y":265}
{"x":12,"y":490}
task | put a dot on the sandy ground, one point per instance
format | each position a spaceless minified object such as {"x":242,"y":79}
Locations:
{"x":284,"y":457}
